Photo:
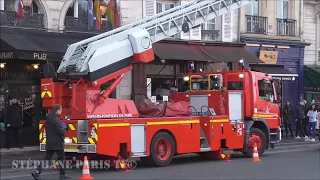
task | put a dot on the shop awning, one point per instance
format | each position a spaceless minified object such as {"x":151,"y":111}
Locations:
{"x":203,"y":52}
{"x":35,"y":45}
{"x":276,"y":71}
{"x":311,"y":79}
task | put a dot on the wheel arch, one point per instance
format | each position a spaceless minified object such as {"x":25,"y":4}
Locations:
{"x":259,"y":123}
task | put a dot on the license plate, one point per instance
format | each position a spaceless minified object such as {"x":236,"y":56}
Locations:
{"x":71,"y":147}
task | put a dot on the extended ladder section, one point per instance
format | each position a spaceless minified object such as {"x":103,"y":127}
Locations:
{"x":108,"y":49}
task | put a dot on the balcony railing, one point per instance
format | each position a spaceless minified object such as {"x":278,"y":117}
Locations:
{"x":257,"y":24}
{"x":31,"y":20}
{"x":286,"y":27}
{"x":81,"y":25}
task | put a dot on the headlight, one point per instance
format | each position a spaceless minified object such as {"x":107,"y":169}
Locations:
{"x":67,"y":140}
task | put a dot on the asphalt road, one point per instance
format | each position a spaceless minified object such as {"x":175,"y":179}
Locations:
{"x":291,"y":163}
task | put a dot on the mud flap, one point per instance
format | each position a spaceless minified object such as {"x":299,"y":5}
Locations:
{"x":247,"y":126}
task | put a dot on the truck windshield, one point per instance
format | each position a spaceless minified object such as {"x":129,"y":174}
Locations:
{"x":266,"y":90}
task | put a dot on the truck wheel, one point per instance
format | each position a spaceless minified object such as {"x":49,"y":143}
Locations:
{"x":256,"y":137}
{"x":162,"y":150}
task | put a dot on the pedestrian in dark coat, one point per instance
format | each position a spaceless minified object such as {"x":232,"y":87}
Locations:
{"x":13,"y":120}
{"x":300,"y":116}
{"x":288,"y":117}
{"x":55,"y":135}
{"x":305,"y":121}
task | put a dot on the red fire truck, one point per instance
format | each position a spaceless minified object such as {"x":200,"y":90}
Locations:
{"x":242,"y":111}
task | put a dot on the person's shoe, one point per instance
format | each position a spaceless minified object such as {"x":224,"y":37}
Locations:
{"x":313,"y":140}
{"x":35,"y":175}
{"x":306,"y":138}
{"x":64,"y":177}
{"x":298,"y":137}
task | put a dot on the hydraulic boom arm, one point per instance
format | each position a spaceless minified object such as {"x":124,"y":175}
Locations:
{"x":104,"y":54}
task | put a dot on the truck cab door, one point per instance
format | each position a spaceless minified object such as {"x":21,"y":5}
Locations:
{"x":267,"y":106}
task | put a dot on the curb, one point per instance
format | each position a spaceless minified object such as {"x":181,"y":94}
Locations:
{"x":16,"y":151}
{"x":299,"y":143}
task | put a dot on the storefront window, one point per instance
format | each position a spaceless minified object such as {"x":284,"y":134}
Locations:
{"x":266,"y":90}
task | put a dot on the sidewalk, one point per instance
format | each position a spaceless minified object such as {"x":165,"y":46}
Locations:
{"x":9,"y":155}
{"x":5,"y":151}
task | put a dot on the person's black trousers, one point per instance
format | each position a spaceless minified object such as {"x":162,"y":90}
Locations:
{"x":299,"y":128}
{"x":48,"y":157}
{"x":13,"y":137}
{"x":305,"y":124}
{"x":288,"y":126}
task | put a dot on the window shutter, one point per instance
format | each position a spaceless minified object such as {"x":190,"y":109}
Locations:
{"x":195,"y":33}
{"x":149,"y":8}
{"x":227,"y":27}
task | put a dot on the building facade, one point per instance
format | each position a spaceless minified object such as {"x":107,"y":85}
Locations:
{"x":312,"y":53}
{"x":273,"y":31}
{"x":311,"y":33}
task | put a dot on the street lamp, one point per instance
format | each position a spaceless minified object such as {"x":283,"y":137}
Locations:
{"x":27,"y":3}
{"x":2,"y":65}
{"x":35,"y":66}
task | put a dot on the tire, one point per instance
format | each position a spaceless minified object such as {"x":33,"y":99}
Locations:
{"x":155,"y":159}
{"x":263,"y":139}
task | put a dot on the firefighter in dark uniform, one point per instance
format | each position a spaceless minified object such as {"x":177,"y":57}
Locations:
{"x":55,"y":135}
{"x":14,"y":122}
